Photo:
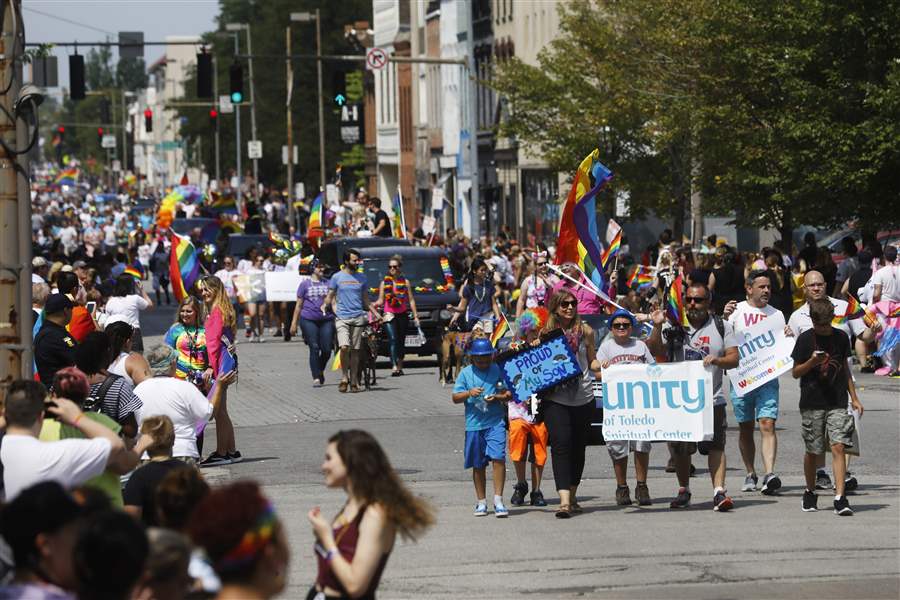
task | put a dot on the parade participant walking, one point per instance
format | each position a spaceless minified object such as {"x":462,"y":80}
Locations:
{"x":256,"y":309}
{"x":219,"y":327}
{"x":129,"y":302}
{"x":396,"y":296}
{"x":188,"y":336}
{"x":711,"y":340}
{"x":349,"y":298}
{"x":238,"y":529}
{"x":478,"y":300}
{"x":352,"y":551}
{"x":567,"y":408}
{"x":479,"y":387}
{"x":623,"y":349}
{"x":54,"y":348}
{"x":761,"y":404}
{"x":130,"y":365}
{"x":820,"y":362}
{"x":317,"y":324}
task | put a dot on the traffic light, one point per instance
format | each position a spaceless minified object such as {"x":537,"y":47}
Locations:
{"x":100,"y":136}
{"x":61,"y":132}
{"x":76,"y":77}
{"x":204,"y":75}
{"x":214,"y":119}
{"x":104,"y":111}
{"x":148,"y":120}
{"x":236,"y":75}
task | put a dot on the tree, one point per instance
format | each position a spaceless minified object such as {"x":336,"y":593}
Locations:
{"x":98,"y":72}
{"x":131,"y":74}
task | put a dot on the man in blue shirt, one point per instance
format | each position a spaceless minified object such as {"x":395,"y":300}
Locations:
{"x":349,"y":299}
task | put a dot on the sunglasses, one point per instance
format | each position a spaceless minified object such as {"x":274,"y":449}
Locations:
{"x":393,"y":266}
{"x":694,"y":300}
{"x":542,"y":264}
{"x":568,"y":304}
{"x":621,"y":326}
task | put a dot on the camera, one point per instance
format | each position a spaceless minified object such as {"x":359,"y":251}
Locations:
{"x":196,"y":377}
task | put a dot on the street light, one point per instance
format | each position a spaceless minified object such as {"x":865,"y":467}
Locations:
{"x":235,"y":27}
{"x":306,"y":17}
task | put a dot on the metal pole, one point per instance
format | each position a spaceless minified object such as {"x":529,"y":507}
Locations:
{"x":474,"y":210}
{"x":321,"y":100}
{"x":253,"y":115}
{"x":237,"y":132}
{"x":218,"y":114}
{"x":124,"y":135}
{"x":292,"y":213}
{"x":23,"y":194}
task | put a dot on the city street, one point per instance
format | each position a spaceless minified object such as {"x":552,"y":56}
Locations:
{"x":765,"y":547}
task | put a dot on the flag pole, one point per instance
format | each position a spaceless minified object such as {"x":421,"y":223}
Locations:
{"x":592,"y":290}
{"x":402,"y":216}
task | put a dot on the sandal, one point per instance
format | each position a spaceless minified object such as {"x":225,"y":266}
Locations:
{"x":354,"y":389}
{"x":576,"y":509}
{"x":342,"y":387}
{"x":564,"y":512}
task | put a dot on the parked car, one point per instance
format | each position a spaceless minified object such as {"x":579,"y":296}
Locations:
{"x":332,"y":250}
{"x":239,"y":243}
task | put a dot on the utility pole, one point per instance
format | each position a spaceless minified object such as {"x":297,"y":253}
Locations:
{"x":474,"y":208}
{"x":253,"y":116}
{"x":292,"y":212}
{"x":237,"y":131}
{"x":15,"y":212}
{"x":321,"y":100}
{"x":218,"y":112}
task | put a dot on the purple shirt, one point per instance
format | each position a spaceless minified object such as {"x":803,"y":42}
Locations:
{"x":313,"y":294}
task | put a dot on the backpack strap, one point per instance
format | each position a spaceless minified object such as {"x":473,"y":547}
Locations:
{"x":720,"y":326}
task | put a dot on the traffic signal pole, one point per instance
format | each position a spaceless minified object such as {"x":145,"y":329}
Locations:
{"x":253,"y":116}
{"x":321,"y":100}
{"x":292,"y":212}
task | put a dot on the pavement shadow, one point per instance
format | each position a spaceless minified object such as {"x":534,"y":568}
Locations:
{"x":256,"y":459}
{"x":869,"y":507}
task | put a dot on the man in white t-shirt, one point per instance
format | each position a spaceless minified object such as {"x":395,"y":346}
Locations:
{"x":887,"y":279}
{"x":180,"y":400}
{"x":759,"y":405}
{"x":70,"y":462}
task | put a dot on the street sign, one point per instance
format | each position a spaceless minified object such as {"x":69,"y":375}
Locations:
{"x":284,"y":155}
{"x":116,"y":166}
{"x":340,"y":99}
{"x":254,"y":149}
{"x":225,"y":105}
{"x":376,"y":58}
{"x":351,"y":122}
{"x":138,"y":153}
{"x":332,"y":194}
{"x":131,"y":44}
{"x":167,"y":146}
{"x":108,"y":141}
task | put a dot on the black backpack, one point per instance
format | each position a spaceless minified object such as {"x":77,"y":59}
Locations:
{"x":94,"y":401}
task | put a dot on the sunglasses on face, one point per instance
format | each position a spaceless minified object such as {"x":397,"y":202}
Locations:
{"x":568,"y":304}
{"x":621,"y":326}
{"x":694,"y":300}
{"x":393,"y":266}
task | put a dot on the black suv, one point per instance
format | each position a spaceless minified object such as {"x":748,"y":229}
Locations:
{"x":331,"y":252}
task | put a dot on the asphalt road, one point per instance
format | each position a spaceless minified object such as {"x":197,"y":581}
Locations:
{"x":765,"y":547}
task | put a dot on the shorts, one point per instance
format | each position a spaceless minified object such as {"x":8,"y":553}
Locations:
{"x":619,"y":449}
{"x":349,"y":331}
{"x":815,"y":423}
{"x":485,"y":445}
{"x":761,"y":403}
{"x":520,"y":431}
{"x":720,"y":424}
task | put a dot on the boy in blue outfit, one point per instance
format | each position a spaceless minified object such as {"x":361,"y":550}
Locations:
{"x":479,"y":386}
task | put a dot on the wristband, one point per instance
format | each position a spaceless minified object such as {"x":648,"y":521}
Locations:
{"x":330,"y":555}
{"x":78,"y":418}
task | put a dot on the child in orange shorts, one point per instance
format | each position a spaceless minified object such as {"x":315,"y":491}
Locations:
{"x":522,"y":428}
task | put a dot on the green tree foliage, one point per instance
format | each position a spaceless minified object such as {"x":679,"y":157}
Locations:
{"x":98,"y":71}
{"x":131,"y":74}
{"x":783,"y":113}
{"x":268,"y":21}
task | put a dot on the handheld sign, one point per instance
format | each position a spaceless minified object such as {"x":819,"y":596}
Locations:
{"x":537,"y":368}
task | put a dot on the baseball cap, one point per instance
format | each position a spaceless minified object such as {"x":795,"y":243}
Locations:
{"x":56,"y":303}
{"x":38,"y":261}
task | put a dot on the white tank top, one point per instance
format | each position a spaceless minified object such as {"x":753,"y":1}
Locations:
{"x":118,"y":367}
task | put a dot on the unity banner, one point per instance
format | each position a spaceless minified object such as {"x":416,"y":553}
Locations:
{"x":765,"y":354}
{"x":670,"y":402}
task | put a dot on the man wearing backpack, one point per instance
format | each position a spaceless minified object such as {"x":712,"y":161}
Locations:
{"x":711,"y":340}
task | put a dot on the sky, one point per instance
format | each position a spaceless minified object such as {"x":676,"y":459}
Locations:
{"x":95,"y":20}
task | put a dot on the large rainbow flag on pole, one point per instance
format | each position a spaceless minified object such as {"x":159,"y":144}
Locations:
{"x":399,"y":220}
{"x":675,"y":303}
{"x":316,"y":214}
{"x":184,"y":266}
{"x":221,"y":203}
{"x":578,"y":240}
{"x":67,"y":176}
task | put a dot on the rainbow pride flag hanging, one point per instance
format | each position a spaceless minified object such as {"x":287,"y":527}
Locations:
{"x":613,"y":249}
{"x":221,"y":203}
{"x":399,"y":221}
{"x":136,"y":270}
{"x":316,"y":214}
{"x":500,"y":330}
{"x":641,"y":278}
{"x":675,"y":303}
{"x":67,"y":176}
{"x":184,"y":266}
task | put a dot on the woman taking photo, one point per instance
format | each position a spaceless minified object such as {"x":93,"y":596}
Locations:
{"x":130,"y":365}
{"x":128,"y":300}
{"x":396,"y":296}
{"x":567,"y":407}
{"x":317,"y":326}
{"x":354,"y":548}
{"x":188,"y":337}
{"x":219,"y":329}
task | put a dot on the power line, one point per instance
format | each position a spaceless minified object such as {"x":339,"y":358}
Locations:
{"x":65,"y":20}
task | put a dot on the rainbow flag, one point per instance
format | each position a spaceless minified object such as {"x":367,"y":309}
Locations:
{"x":578,"y":240}
{"x":641,"y":278}
{"x":399,"y":221}
{"x":445,"y":268}
{"x":316,"y":214}
{"x":854,"y":311}
{"x":67,"y":176}
{"x":220,"y":203}
{"x":184,"y":266}
{"x":613,"y":248}
{"x":136,"y":270}
{"x":894,"y":313}
{"x":229,"y":226}
{"x":500,"y":330}
{"x":675,"y":303}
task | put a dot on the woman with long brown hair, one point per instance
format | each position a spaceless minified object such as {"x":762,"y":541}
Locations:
{"x":353,"y":550}
{"x":567,"y":407}
{"x":188,"y":336}
{"x":220,"y":327}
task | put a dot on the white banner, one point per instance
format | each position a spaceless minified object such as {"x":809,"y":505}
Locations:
{"x":765,"y":354}
{"x":670,"y":402}
{"x":281,"y":286}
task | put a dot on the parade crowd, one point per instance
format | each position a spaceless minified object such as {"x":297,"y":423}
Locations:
{"x":102,"y":453}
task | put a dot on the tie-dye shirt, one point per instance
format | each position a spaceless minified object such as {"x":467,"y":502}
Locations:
{"x":190,"y":342}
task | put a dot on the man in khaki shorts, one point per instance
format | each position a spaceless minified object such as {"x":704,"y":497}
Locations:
{"x":349,"y":299}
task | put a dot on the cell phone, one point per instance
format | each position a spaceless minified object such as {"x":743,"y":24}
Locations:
{"x":91,"y":307}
